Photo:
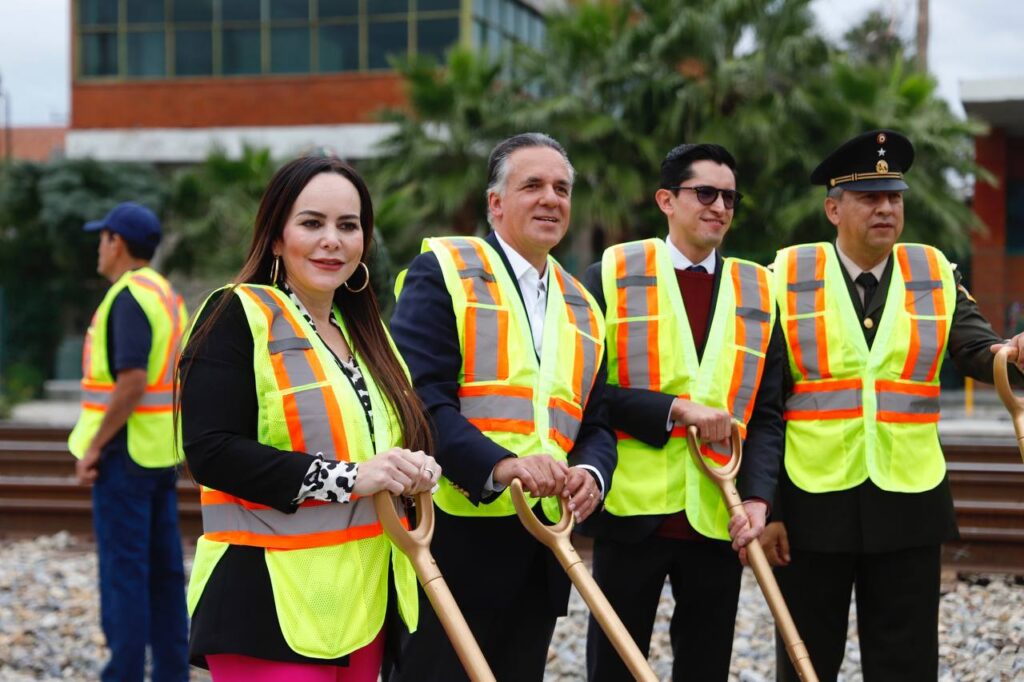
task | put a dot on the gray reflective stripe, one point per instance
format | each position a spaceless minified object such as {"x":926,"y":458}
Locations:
{"x":564,"y":423}
{"x":907,"y":403}
{"x":639,"y":373}
{"x":825,"y":401}
{"x":294,"y":343}
{"x":581,"y":315}
{"x":928,"y":340}
{"x":637,"y":281}
{"x":163,"y":397}
{"x":322,"y":518}
{"x":754,"y":314}
{"x":745,"y":391}
{"x":924,"y":285}
{"x":753,"y":321}
{"x":487,"y":344}
{"x":495,"y":406}
{"x":317,"y":434}
{"x":720,"y":448}
{"x":919,"y":281}
{"x":806,"y":288}
{"x":475,"y":271}
{"x":466,"y":273}
{"x":589,"y":369}
{"x":806,"y":285}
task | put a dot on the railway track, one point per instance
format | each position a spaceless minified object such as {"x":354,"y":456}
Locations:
{"x":38,"y":494}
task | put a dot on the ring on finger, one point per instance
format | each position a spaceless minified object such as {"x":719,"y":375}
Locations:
{"x":430,"y":471}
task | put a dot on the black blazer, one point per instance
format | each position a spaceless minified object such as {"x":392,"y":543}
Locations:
{"x":643,"y":414}
{"x":423,"y":326}
{"x":867,"y":518}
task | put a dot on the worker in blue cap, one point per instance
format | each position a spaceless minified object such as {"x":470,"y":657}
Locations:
{"x":124,"y":442}
{"x":864,"y":499}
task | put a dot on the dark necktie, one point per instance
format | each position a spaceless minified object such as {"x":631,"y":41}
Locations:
{"x":870,"y":284}
{"x":697,"y":268}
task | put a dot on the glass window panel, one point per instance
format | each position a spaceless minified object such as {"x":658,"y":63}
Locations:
{"x":480,"y":8}
{"x":144,"y":11}
{"x":289,"y":9}
{"x":495,"y":44}
{"x":387,"y":38}
{"x":387,"y":7}
{"x":145,"y":53}
{"x":193,"y":10}
{"x":93,"y":12}
{"x":99,"y":54}
{"x":193,"y":53}
{"x":289,"y":50}
{"x":241,"y":51}
{"x":494,"y":13}
{"x":508,"y":8}
{"x":542,"y":32}
{"x":331,"y":9}
{"x":240,"y":10}
{"x":522,"y":18}
{"x":436,"y":5}
{"x":434,"y":36}
{"x":339,"y":48}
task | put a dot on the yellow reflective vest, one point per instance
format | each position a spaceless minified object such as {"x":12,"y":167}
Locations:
{"x":150,"y":425}
{"x":857,"y":412}
{"x":306,"y":404}
{"x":650,"y":347}
{"x":521,"y":404}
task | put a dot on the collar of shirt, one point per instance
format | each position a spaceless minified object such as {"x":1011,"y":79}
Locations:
{"x":855,"y":270}
{"x":528,"y":277}
{"x":681,"y":262}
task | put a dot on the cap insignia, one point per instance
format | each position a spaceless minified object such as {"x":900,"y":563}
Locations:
{"x":881,"y":166}
{"x":881,"y":138}
{"x":881,"y":151}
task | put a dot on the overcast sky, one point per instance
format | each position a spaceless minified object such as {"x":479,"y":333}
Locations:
{"x":970,"y":39}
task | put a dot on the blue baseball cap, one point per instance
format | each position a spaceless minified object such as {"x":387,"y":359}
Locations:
{"x":134,"y":222}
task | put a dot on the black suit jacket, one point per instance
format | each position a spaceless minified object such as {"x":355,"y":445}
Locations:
{"x":643,"y":414}
{"x":867,"y":518}
{"x":485,"y":560}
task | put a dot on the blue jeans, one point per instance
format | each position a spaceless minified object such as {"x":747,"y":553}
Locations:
{"x":142,"y":579}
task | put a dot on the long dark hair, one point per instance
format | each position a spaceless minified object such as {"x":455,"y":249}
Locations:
{"x":359,"y":308}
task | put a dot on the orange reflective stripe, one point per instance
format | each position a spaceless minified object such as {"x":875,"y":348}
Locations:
{"x":497,"y":389}
{"x":170,"y":303}
{"x":753,"y":332}
{"x":805,"y":295}
{"x":907,"y":402}
{"x":836,"y":399}
{"x":272,"y":542}
{"x":637,"y":336}
{"x":499,"y":424}
{"x":926,"y":306}
{"x":621,"y":338}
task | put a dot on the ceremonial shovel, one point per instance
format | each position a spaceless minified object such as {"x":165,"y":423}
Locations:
{"x":1014,"y":404}
{"x":416,"y":545}
{"x":725,"y":478}
{"x":556,"y":538}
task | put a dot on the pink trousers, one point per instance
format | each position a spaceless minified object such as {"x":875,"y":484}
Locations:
{"x":363,"y":666}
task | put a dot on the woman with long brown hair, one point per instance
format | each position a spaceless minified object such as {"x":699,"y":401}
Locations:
{"x":295,"y":408}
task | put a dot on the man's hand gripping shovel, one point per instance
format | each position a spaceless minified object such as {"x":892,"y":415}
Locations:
{"x":725,"y":478}
{"x":1014,"y":404}
{"x":556,"y":538}
{"x":416,"y":545}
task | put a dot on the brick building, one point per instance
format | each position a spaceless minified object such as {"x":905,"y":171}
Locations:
{"x":997,"y":262}
{"x":166,"y":80}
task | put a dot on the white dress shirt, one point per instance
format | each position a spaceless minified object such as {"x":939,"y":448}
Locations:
{"x":855,"y":271}
{"x":533,"y":286}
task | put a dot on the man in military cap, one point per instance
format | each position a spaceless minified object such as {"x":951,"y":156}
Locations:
{"x":864,"y":498}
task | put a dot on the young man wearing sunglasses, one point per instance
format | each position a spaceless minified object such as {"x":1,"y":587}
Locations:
{"x":691,"y":340}
{"x":864,"y":493}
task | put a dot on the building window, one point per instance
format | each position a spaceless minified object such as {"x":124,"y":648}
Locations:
{"x":1015,"y":217}
{"x":187,"y":38}
{"x":499,"y":24}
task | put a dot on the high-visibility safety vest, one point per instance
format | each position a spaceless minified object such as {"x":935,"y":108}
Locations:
{"x":857,"y":412}
{"x":651,"y":347}
{"x":306,"y":404}
{"x":522,"y":405}
{"x":151,"y":423}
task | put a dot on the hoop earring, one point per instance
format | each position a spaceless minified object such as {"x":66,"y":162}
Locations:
{"x":274,"y":269}
{"x":366,"y":280}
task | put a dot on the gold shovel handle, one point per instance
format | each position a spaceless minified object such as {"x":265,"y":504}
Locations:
{"x":416,"y":545}
{"x":556,"y":538}
{"x":725,"y":478}
{"x":1014,"y":405}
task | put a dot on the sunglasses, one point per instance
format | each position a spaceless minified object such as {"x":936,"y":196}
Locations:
{"x":708,"y":195}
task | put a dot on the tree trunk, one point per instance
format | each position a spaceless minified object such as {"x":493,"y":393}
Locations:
{"x":922,"y":35}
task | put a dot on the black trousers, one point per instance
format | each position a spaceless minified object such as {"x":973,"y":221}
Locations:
{"x":514,"y":641}
{"x":705,"y":578}
{"x":897,"y":612}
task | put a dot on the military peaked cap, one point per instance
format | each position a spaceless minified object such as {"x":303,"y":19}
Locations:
{"x":874,"y":161}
